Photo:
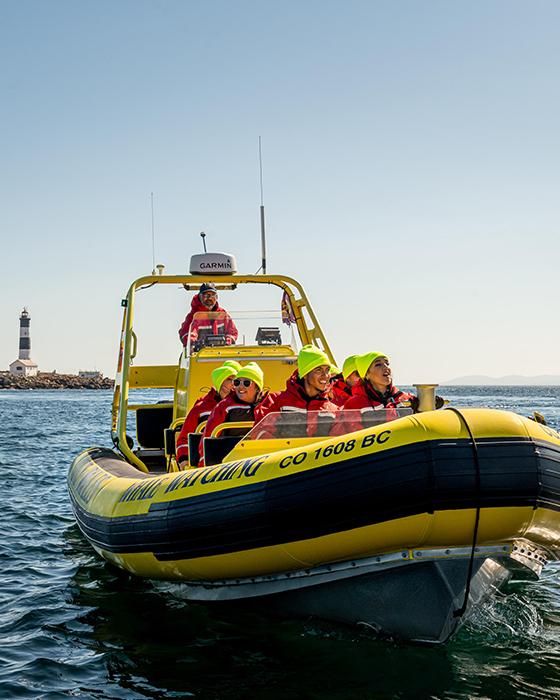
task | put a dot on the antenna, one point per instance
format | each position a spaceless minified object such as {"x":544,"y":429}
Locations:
{"x":153,"y":237}
{"x":203,"y":236}
{"x":263,"y":241}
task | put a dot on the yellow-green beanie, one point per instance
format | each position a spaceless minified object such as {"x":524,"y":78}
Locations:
{"x":252,"y":371}
{"x":220,"y":374}
{"x":363,"y":362}
{"x":233,"y":363}
{"x":349,"y":366}
{"x":311,"y":357}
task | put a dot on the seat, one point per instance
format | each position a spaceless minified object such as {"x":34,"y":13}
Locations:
{"x":151,"y":423}
{"x":216,"y":448}
{"x":194,"y":447}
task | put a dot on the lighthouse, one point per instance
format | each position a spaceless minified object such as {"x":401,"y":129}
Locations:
{"x":24,"y":337}
{"x":24,"y":365}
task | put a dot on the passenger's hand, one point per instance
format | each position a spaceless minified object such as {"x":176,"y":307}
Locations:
{"x":229,"y":340}
{"x":414,"y":403}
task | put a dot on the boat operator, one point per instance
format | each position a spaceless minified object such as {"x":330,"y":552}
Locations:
{"x":198,"y":324}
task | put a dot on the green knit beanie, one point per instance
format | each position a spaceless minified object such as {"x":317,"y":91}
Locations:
{"x":252,"y":371}
{"x":309,"y":358}
{"x":220,"y":374}
{"x":363,"y":362}
{"x":349,"y":366}
{"x":233,"y":363}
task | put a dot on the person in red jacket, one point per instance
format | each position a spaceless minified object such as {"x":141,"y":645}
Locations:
{"x":239,"y":405}
{"x":205,"y":318}
{"x":222,"y":383}
{"x":376,"y":392}
{"x":342,"y":383}
{"x":305,"y":399}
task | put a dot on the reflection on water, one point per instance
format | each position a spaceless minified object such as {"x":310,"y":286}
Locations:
{"x":72,"y":626}
{"x":152,"y":639}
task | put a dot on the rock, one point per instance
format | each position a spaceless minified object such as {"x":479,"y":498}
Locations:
{"x":53,"y":380}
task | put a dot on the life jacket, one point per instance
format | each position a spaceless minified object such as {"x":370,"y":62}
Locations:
{"x":317,"y":412}
{"x":195,"y":328}
{"x":229,"y":410}
{"x":200,"y":412}
{"x":340,"y":391}
{"x":365,"y":399}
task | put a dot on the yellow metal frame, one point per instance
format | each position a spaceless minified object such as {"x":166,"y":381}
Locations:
{"x":234,"y":424}
{"x":166,"y":376}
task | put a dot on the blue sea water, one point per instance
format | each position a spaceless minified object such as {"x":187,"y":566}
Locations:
{"x":73,"y":627}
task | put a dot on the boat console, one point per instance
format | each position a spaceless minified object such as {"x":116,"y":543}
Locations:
{"x":267,"y":319}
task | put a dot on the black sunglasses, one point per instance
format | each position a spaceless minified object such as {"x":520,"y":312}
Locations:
{"x":245,"y":382}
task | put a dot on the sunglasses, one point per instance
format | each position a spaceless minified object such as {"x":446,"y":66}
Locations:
{"x":245,"y":382}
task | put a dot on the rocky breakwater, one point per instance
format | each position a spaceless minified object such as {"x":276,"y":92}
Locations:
{"x":53,"y":380}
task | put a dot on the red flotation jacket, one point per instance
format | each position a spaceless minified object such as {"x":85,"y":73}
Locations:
{"x":191,"y":327}
{"x":340,"y":391}
{"x":229,"y":410}
{"x":295,"y":401}
{"x":365,"y":399}
{"x":202,"y":408}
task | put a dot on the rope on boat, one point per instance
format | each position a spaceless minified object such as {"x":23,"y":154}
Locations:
{"x":459,"y":612}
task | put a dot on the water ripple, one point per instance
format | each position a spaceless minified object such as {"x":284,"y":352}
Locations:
{"x":73,"y":627}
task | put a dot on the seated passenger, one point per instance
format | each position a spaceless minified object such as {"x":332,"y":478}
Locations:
{"x":376,"y":392}
{"x":350,"y":371}
{"x":343,"y":382}
{"x":239,"y":405}
{"x":222,"y":383}
{"x":306,"y":396}
{"x":193,"y":328}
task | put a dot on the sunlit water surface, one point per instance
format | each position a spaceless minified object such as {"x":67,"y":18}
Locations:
{"x":72,"y":627}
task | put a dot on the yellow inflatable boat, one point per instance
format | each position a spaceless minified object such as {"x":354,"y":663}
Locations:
{"x":404,"y":526}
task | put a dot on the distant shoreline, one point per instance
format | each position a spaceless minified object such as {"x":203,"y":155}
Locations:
{"x":52,"y":380}
{"x":508,"y":380}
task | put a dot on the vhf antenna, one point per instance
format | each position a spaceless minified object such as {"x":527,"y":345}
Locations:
{"x":153,"y":237}
{"x":263,"y":240}
{"x":203,"y":236}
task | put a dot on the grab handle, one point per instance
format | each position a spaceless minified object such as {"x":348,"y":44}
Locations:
{"x":134,"y":345}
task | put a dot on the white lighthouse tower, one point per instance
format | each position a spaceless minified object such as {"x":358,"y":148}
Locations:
{"x":24,"y":365}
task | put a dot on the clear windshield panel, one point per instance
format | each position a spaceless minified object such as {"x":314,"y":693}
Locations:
{"x":247,"y":328}
{"x":304,"y":424}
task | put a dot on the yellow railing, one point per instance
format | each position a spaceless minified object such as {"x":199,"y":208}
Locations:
{"x":233,"y":424}
{"x":165,"y":376}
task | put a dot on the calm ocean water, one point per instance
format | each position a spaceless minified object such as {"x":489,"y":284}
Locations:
{"x":72,"y":627}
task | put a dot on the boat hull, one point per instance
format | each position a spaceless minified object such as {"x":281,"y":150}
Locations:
{"x":379,"y":526}
{"x":413,"y":603}
{"x":421,"y":596}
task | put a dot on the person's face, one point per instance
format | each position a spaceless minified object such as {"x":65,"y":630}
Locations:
{"x":379,"y":374}
{"x":318,"y":380}
{"x":245,"y":393}
{"x":226,"y":387}
{"x":353,"y":378}
{"x":208,"y":299}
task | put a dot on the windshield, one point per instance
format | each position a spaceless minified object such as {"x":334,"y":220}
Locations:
{"x":304,"y":424}
{"x":161,"y":311}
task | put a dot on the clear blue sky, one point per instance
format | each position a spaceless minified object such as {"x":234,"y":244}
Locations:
{"x":411,"y":169}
